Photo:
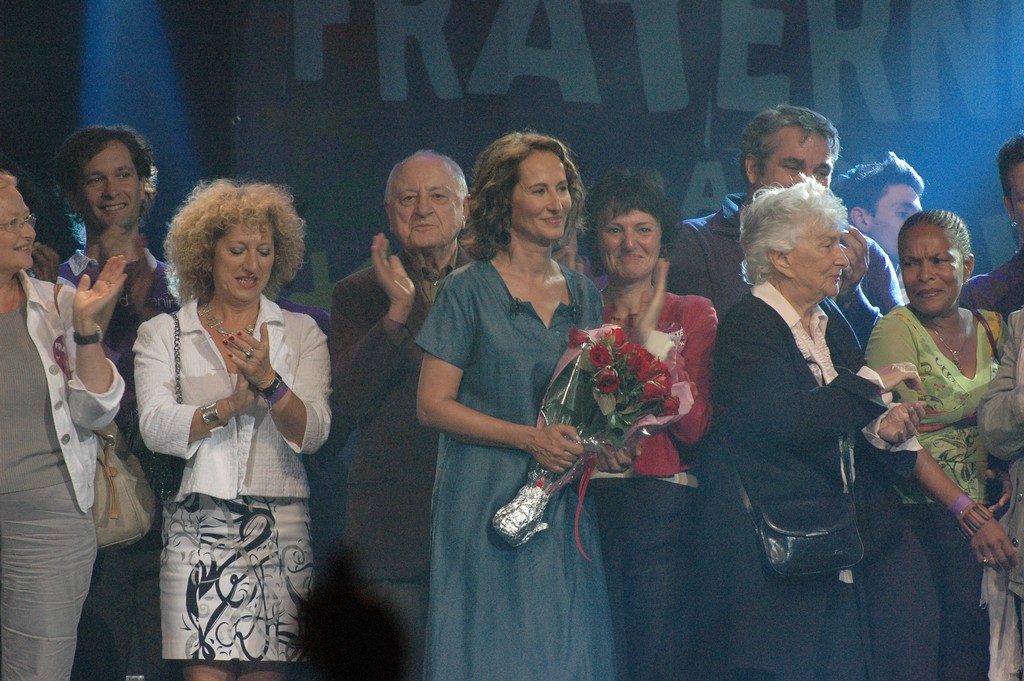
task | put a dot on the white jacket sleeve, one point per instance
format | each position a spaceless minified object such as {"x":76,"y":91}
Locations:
{"x":311,"y":382}
{"x":163,"y":422}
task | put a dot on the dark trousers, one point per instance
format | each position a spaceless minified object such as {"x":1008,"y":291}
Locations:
{"x":923,"y":596}
{"x":407,"y":599}
{"x":647,"y":539}
{"x":956,"y":575}
{"x":902,"y":607}
{"x":122,"y":608}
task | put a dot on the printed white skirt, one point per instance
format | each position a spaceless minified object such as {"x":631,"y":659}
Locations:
{"x":232,"y":577}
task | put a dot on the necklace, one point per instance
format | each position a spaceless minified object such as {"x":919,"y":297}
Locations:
{"x":955,"y":353}
{"x":216,"y":324}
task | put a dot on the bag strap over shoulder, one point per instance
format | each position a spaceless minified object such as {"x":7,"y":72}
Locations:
{"x":108,"y":438}
{"x":988,"y":332}
{"x":177,"y":357}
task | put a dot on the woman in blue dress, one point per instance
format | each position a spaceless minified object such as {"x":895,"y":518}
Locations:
{"x":538,"y":611}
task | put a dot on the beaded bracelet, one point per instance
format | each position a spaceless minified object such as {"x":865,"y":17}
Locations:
{"x":972,"y":519}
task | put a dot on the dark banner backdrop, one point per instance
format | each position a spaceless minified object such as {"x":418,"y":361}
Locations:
{"x":331,"y":93}
{"x":325,"y":95}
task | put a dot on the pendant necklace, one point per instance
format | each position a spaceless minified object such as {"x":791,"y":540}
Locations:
{"x":954,"y":353}
{"x":216,"y":324}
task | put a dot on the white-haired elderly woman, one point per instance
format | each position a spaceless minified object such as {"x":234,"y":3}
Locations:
{"x":238,"y":388}
{"x":789,"y":388}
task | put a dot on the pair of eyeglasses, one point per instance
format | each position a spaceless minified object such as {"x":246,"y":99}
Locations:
{"x":17,"y":223}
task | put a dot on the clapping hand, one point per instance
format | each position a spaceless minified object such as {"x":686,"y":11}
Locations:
{"x":241,"y":398}
{"x":856,"y":248}
{"x":251,"y":356}
{"x":45,"y":261}
{"x":647,"y":320}
{"x":140,"y":284}
{"x":392,"y":277}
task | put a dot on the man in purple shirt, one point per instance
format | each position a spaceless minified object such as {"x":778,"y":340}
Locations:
{"x":107,"y":178}
{"x":1002,"y":289}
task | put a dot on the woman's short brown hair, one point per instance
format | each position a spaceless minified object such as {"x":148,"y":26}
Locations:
{"x":494,"y":179}
{"x":213,"y":208}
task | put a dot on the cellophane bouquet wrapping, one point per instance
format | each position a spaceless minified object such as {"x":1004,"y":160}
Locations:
{"x":614,"y":393}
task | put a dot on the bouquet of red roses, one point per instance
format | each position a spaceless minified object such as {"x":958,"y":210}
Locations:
{"x":614,"y":393}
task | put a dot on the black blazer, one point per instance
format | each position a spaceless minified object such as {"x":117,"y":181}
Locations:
{"x":782,"y":428}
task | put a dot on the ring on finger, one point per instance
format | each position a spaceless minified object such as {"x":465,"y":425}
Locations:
{"x":248,"y":353}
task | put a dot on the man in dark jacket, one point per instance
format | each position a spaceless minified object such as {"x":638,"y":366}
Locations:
{"x":778,"y":146}
{"x":377,"y":313}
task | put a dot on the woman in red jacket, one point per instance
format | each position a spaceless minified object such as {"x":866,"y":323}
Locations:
{"x":646,"y":514}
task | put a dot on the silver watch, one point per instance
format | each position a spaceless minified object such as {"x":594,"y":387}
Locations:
{"x":209,"y":414}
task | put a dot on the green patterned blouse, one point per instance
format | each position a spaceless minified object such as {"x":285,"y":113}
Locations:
{"x":949,"y":428}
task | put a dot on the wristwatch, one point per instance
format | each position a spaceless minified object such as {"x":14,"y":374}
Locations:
{"x":269,"y":391}
{"x":95,"y":337}
{"x":209,"y":414}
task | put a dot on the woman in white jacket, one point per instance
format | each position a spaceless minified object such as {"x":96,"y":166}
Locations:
{"x":238,"y":388}
{"x":58,"y":387}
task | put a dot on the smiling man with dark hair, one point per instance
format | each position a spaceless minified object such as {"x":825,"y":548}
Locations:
{"x":108,"y":181}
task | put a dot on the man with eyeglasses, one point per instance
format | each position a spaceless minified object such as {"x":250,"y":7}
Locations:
{"x":107,"y":178}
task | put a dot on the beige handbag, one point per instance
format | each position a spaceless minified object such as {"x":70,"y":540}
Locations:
{"x":124,"y":505}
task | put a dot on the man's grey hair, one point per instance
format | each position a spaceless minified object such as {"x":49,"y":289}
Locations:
{"x":758,"y":137}
{"x":461,"y":188}
{"x":778,"y":217}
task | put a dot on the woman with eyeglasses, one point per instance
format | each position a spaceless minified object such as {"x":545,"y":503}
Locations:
{"x":58,"y":388}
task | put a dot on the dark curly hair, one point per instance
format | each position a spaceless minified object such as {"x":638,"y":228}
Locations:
{"x":621,"y":191}
{"x":495,"y":176}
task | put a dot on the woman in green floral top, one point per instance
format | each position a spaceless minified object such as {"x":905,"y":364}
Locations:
{"x":932,"y":568}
